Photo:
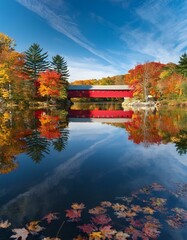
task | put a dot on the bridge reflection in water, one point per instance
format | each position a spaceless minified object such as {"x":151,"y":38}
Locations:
{"x":100,"y":115}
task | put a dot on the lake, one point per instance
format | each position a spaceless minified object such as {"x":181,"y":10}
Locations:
{"x":97,"y":171}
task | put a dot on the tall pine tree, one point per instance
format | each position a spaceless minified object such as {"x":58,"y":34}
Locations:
{"x":59,"y":64}
{"x":35,"y":61}
{"x":182,"y":66}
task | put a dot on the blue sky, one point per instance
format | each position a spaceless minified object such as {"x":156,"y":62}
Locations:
{"x":99,"y":38}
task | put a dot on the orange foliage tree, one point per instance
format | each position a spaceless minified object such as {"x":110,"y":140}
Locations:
{"x":171,"y":82}
{"x":49,"y":84}
{"x":144,"y":78}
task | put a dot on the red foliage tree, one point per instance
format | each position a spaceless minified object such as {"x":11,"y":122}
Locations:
{"x":49,"y":84}
{"x":143,"y":78}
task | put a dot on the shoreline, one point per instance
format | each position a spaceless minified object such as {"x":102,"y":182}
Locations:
{"x":156,"y":104}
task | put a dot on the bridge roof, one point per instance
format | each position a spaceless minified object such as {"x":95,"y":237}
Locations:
{"x":99,"y":87}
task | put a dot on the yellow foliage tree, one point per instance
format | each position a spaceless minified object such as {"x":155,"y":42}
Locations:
{"x":11,"y":65}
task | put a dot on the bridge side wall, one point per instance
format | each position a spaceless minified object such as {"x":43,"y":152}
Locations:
{"x":100,"y":93}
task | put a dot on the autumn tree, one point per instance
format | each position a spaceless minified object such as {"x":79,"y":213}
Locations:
{"x":144,"y":78}
{"x":49,"y":84}
{"x":11,"y":67}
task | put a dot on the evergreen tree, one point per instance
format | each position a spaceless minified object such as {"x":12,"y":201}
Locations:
{"x":36,"y":146}
{"x":59,"y":64}
{"x":182,"y":66}
{"x":35,"y":61}
{"x":60,"y":143}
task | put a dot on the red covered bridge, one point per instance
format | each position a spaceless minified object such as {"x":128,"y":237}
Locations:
{"x":100,"y":91}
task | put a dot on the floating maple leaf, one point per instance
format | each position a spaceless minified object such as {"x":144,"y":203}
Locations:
{"x":34,"y":227}
{"x":121,"y":214}
{"x":158,"y":201}
{"x":181,"y":213}
{"x":106,"y":204}
{"x":97,"y":210}
{"x":73,"y":214}
{"x":101,"y":219}
{"x":136,"y":208}
{"x":5,"y":224}
{"x":20,"y":233}
{"x":119,"y":207}
{"x":77,"y":206}
{"x":174,"y":223}
{"x":87,"y":228}
{"x":121,"y":236}
{"x":136,"y":223}
{"x":51,"y":216}
{"x":150,"y":230}
{"x":108,"y":232}
{"x":135,"y":233}
{"x":148,"y":210}
{"x":130,"y":214}
{"x":96,"y":236}
{"x":124,"y":214}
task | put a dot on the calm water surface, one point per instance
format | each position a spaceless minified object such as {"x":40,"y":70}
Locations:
{"x":129,"y":171}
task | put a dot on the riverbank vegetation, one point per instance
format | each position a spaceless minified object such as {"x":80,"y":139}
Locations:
{"x":37,"y":132}
{"x":152,"y":80}
{"x":30,"y":78}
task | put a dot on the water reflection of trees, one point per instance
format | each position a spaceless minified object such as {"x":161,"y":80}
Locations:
{"x":97,"y":106}
{"x":31,"y":132}
{"x":181,"y":142}
{"x":151,"y":127}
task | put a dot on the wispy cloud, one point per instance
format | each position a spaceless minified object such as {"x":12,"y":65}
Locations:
{"x":43,"y":190}
{"x":87,"y":68}
{"x":162,"y":34}
{"x":150,"y":31}
{"x":63,"y":23}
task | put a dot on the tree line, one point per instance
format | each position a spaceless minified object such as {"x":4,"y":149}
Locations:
{"x":30,"y":76}
{"x":155,"y":79}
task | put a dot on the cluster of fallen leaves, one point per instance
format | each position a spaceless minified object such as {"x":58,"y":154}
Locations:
{"x":141,"y":216}
{"x":32,"y":228}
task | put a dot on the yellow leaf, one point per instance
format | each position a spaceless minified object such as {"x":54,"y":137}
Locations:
{"x":96,"y":236}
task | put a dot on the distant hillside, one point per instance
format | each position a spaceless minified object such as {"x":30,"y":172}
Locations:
{"x":115,"y":80}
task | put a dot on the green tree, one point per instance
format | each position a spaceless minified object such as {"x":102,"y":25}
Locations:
{"x":35,"y":61}
{"x":60,"y":143}
{"x":182,"y":66}
{"x":59,"y":64}
{"x":181,"y":142}
{"x":36,"y":146}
